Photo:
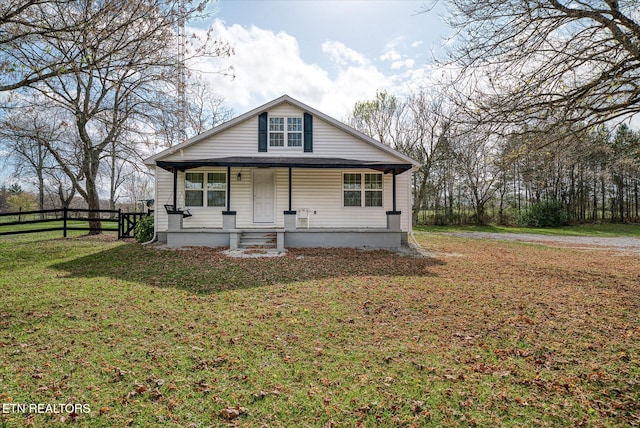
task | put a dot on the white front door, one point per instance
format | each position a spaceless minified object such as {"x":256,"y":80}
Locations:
{"x":263,"y":196}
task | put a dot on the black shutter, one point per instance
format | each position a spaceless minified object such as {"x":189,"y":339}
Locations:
{"x":308,"y":133}
{"x":262,"y":132}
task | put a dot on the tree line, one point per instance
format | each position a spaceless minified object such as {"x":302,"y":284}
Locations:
{"x":591,"y":174}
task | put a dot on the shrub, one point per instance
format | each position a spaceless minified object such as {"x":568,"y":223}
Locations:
{"x":144,"y":229}
{"x":545,"y":214}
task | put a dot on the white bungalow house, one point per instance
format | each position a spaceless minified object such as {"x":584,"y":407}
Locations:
{"x":283,"y":174}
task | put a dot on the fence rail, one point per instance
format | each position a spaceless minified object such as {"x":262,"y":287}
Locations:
{"x":70,"y":219}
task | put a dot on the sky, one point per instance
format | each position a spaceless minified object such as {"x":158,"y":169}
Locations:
{"x":326,"y":54}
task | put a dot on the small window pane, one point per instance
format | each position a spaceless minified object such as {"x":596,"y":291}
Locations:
{"x":276,"y":124}
{"x":216,"y":198}
{"x":193,"y":198}
{"x":276,"y":139}
{"x":372,"y":198}
{"x":294,"y":124}
{"x":352,"y":181}
{"x":352,"y":198}
{"x":294,"y":139}
{"x":216,"y":180}
{"x":373,"y":181}
{"x":194,"y":180}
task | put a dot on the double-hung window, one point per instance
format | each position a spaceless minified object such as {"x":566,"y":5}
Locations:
{"x":362,"y":189}
{"x":195,"y":184}
{"x":285,"y":132}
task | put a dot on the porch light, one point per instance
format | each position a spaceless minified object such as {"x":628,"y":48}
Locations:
{"x":239,"y":176}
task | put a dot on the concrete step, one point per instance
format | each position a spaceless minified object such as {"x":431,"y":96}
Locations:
{"x":257,"y":240}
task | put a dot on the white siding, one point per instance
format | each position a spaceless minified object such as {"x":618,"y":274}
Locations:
{"x":319,"y":190}
{"x":242,"y":140}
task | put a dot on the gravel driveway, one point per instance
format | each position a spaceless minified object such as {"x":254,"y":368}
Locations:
{"x":625,"y":244}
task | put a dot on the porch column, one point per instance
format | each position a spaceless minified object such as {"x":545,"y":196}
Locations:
{"x":393,"y":217}
{"x":175,"y":188}
{"x":290,"y":215}
{"x":394,"y":191}
{"x":228,"y":216}
{"x":289,"y":188}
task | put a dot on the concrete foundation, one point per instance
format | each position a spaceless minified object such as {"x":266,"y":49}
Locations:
{"x":352,"y":238}
{"x":298,"y":238}
{"x":197,"y":238}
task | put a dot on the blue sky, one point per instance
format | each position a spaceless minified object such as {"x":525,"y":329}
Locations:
{"x":328,"y":54}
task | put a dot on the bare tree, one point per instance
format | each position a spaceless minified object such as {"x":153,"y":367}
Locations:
{"x":417,"y":127}
{"x":23,"y":26}
{"x":24,"y":133}
{"x":383,"y":118}
{"x":536,"y":62}
{"x":430,"y":130}
{"x":204,"y":109}
{"x":117,"y":63}
{"x":475,"y":157}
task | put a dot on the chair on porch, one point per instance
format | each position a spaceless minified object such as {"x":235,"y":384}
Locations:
{"x":303,"y":215}
{"x":172,"y":210}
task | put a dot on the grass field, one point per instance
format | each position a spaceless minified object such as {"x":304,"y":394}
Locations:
{"x":599,"y":229}
{"x":485,"y":334}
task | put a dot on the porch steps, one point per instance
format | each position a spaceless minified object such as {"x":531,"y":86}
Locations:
{"x":258,"y":240}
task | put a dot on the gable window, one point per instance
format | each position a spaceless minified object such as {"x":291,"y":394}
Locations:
{"x":285,"y":131}
{"x":195,"y":184}
{"x":362,"y":189}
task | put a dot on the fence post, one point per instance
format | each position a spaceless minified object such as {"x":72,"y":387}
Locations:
{"x":120,"y":226}
{"x":19,"y":214}
{"x":64,"y":222}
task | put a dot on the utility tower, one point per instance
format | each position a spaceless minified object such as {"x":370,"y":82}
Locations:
{"x":182,"y":73}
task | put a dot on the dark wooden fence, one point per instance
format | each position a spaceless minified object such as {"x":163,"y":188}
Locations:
{"x":70,"y":217}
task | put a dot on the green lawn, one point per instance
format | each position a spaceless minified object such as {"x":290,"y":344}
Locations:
{"x":599,"y":229}
{"x":485,"y":334}
{"x":109,"y":227}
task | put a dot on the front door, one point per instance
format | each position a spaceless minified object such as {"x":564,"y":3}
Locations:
{"x":263,"y":196}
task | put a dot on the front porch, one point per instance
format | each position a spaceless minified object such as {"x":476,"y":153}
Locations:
{"x":258,"y":203}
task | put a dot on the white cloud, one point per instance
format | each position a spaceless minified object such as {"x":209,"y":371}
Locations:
{"x":342,"y":55}
{"x":390,"y":55}
{"x":417,"y":44}
{"x":268,"y":65}
{"x":407,"y":63}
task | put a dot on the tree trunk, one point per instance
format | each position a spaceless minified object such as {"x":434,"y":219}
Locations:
{"x":93,"y":198}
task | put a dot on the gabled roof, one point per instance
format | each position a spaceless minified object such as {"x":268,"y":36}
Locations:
{"x":253,"y":113}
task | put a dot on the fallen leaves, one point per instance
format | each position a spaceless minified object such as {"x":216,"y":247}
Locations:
{"x":230,"y":413}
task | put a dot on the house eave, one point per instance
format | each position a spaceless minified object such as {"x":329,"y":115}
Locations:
{"x":286,"y":162}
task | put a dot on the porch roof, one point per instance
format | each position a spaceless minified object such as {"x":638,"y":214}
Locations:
{"x":285,"y":162}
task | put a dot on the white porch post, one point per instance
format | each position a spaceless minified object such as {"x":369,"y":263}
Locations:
{"x":393,"y":217}
{"x":228,"y":216}
{"x":289,"y":215}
